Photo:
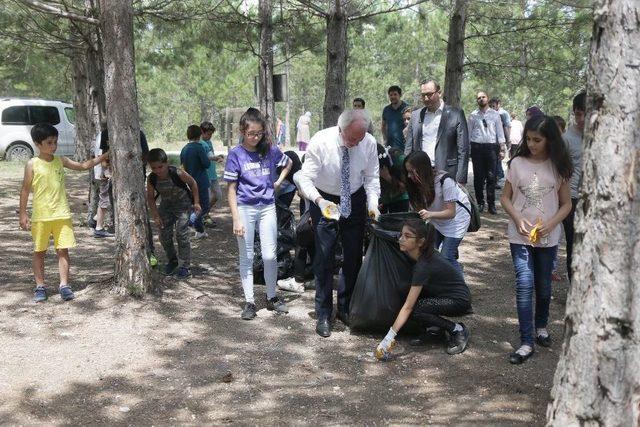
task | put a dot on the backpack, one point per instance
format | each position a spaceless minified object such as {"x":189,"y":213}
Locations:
{"x":173,"y":174}
{"x":474,"y":213}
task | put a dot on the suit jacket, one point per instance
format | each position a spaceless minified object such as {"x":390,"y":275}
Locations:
{"x":452,"y":143}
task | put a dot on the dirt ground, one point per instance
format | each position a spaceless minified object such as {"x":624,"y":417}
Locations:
{"x":187,"y":357}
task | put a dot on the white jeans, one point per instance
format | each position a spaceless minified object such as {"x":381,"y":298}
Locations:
{"x":264,"y":219}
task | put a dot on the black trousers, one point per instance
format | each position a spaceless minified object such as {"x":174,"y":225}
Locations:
{"x":396,"y":207}
{"x":428,"y":311}
{"x":568,"y":234}
{"x":350,"y":231}
{"x":484,"y":158}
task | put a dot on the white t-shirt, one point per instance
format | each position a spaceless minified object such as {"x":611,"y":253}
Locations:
{"x":449,"y":191}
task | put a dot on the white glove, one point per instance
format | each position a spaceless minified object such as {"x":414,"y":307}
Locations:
{"x":373,"y":211}
{"x":383,"y":351}
{"x":329,"y":209}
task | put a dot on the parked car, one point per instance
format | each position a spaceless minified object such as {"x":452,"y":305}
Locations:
{"x":17,"y":117}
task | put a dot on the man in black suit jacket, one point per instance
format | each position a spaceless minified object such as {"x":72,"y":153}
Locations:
{"x":441,"y":131}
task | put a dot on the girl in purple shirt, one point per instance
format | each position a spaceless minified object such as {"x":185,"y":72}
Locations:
{"x":249,"y":172}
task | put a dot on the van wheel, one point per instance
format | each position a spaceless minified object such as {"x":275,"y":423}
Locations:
{"x":19,"y":152}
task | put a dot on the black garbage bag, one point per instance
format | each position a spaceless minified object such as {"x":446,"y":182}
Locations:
{"x":384,"y":278}
{"x":286,"y":242}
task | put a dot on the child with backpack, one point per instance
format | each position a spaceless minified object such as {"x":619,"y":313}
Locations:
{"x":195,"y":161}
{"x":536,"y":196}
{"x":51,"y":215}
{"x":438,"y":198}
{"x":178,"y":193}
{"x":251,"y":190}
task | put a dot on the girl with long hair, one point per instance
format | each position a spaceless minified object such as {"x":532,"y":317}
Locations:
{"x":438,"y":199}
{"x":436,"y":290}
{"x":249,"y":172}
{"x":536,"y":197}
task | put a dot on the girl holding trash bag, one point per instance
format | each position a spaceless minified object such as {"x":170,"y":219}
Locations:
{"x":537,"y":197}
{"x":438,"y":199}
{"x":436,"y":290}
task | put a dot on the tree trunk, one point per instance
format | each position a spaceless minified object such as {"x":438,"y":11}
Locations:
{"x":132,"y":273}
{"x":454,"y":68}
{"x":265,"y":85}
{"x":597,"y":381}
{"x":335,"y":86}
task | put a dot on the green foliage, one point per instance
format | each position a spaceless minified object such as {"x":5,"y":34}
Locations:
{"x":525,"y":52}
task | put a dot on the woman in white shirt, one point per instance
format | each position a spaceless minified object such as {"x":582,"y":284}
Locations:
{"x":439,"y":200}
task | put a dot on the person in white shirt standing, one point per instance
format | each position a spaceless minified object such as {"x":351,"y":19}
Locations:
{"x":340,"y":176}
{"x":487,"y":145}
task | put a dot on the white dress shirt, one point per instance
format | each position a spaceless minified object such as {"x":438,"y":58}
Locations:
{"x":430,"y":127}
{"x":321,"y":169}
{"x":486,"y":127}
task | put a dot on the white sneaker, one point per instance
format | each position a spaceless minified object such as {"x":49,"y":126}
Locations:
{"x":199,"y":235}
{"x":291,"y":285}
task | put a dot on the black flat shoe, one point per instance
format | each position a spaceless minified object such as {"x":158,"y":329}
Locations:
{"x":518,"y":359}
{"x":544,"y":340}
{"x":458,"y":341}
{"x":323,"y":328}
{"x":492,"y":210}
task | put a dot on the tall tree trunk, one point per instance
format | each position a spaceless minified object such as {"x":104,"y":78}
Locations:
{"x":265,"y":86}
{"x":454,"y":69}
{"x":132,"y":273}
{"x":597,"y":381}
{"x":335,"y":85}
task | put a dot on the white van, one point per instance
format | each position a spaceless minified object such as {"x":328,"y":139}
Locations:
{"x":17,"y":117}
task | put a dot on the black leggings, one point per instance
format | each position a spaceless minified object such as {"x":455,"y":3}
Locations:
{"x":428,"y":311}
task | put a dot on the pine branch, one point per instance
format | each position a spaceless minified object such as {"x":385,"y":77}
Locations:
{"x":56,"y":11}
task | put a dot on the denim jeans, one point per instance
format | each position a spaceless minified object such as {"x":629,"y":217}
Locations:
{"x":533,"y":268}
{"x":448,"y":247}
{"x":204,"y":204}
{"x":262,"y":217}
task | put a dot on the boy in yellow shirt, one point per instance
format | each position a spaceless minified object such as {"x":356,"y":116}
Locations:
{"x":51,"y":216}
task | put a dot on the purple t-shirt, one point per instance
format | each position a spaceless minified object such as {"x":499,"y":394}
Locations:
{"x":253,"y":174}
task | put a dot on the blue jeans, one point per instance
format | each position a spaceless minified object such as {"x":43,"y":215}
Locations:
{"x":448,"y":247}
{"x":533,"y":268}
{"x":204,"y":204}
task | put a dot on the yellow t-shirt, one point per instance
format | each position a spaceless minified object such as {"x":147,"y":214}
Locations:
{"x":49,"y":195}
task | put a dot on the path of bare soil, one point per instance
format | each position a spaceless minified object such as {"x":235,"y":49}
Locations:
{"x":187,"y":357}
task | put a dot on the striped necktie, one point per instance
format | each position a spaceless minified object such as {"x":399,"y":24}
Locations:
{"x":345,"y":186}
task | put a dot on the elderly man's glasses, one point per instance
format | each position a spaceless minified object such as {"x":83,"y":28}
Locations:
{"x":428,"y":95}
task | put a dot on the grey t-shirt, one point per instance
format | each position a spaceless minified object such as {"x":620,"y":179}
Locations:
{"x":573,"y":140}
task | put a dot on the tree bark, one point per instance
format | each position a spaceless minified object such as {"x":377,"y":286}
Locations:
{"x":454,"y":68}
{"x":265,"y":86}
{"x":335,"y":85}
{"x":132,"y":272}
{"x":597,"y":381}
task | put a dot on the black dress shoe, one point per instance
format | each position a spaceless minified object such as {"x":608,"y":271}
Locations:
{"x":544,"y":340}
{"x":518,"y":359}
{"x":344,"y":317}
{"x":481,"y":207}
{"x":323,"y":328}
{"x":492,"y":210}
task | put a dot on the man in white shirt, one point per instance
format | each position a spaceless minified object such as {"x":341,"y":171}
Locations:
{"x":487,"y":145}
{"x":340,"y":176}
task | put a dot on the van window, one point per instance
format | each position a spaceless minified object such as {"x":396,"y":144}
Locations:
{"x":41,"y":114}
{"x":71,"y":115}
{"x":17,"y":115}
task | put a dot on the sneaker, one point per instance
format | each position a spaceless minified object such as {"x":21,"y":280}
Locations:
{"x":170,"y":268}
{"x":182,"y":273}
{"x":249,"y":311}
{"x":153,"y":261}
{"x":199,"y":235}
{"x":40,"y":294}
{"x":99,"y":234}
{"x":277,"y":305}
{"x":291,"y":285}
{"x":66,"y":293}
{"x":458,"y":340}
